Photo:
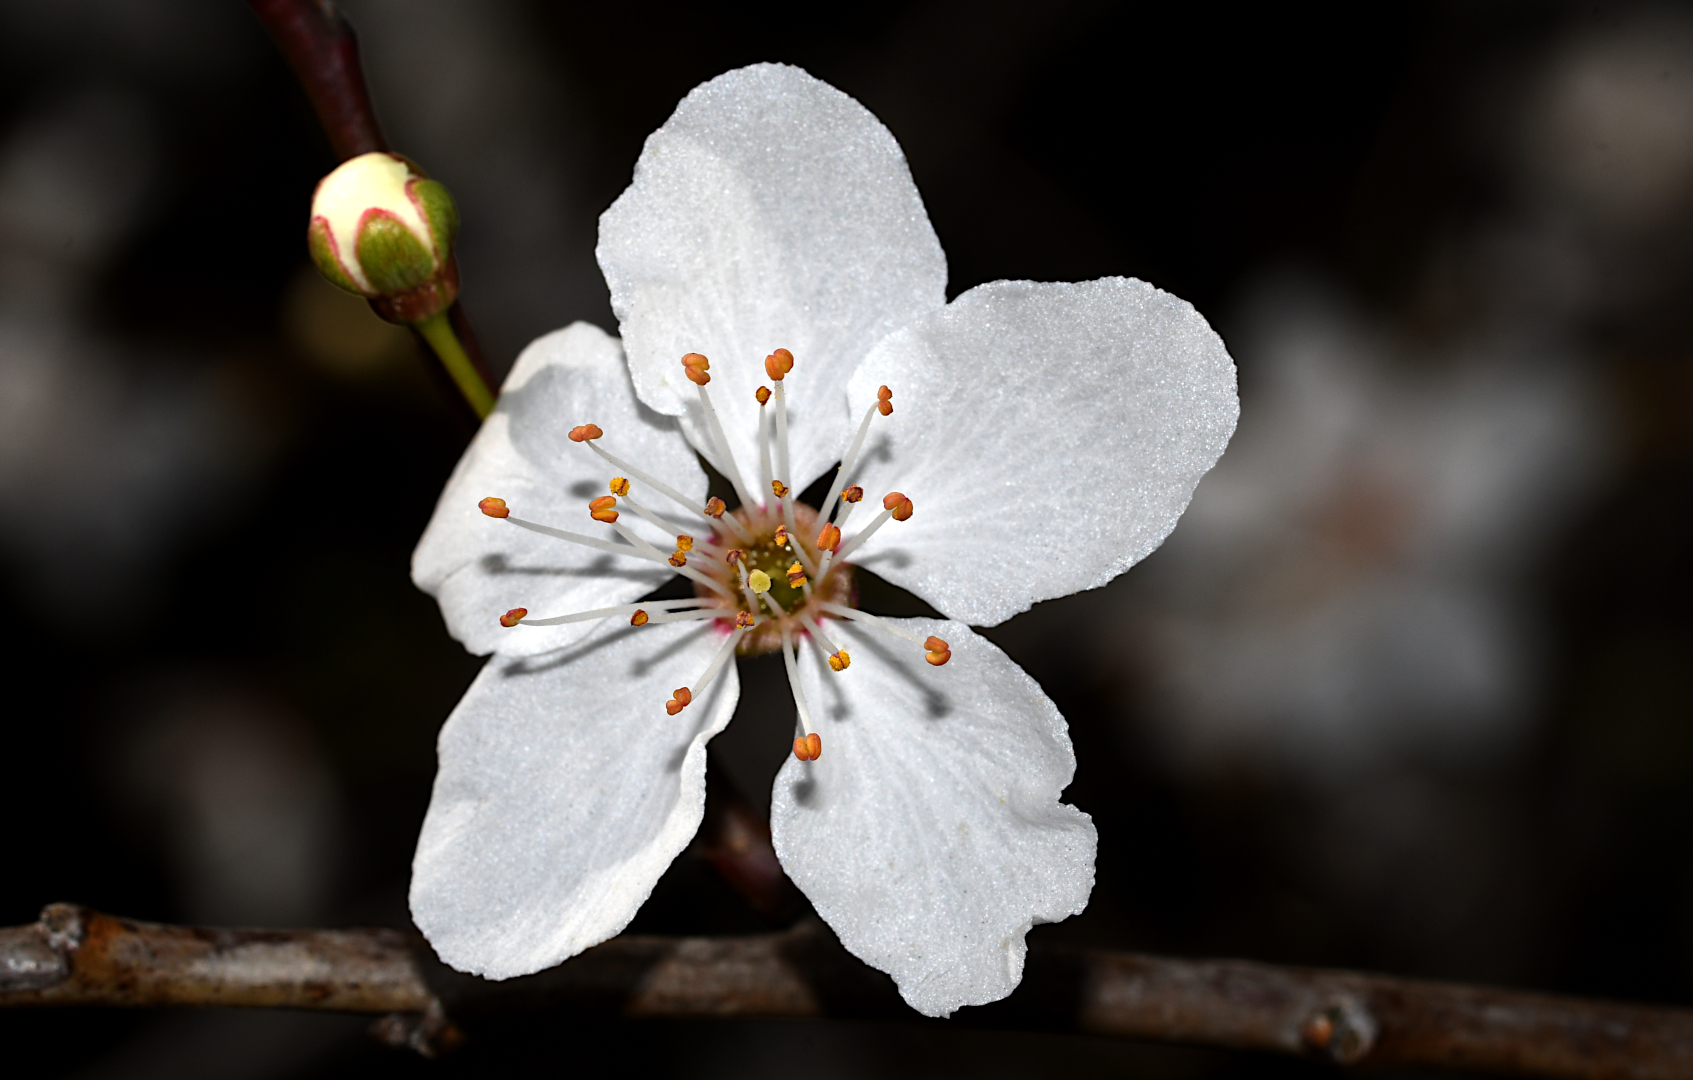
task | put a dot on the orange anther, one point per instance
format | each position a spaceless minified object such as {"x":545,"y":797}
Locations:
{"x":679,"y":700}
{"x":494,"y":507}
{"x":780,"y":536}
{"x":585,"y":432}
{"x":512,"y":617}
{"x":683,"y":694}
{"x":763,"y":395}
{"x":892,"y":499}
{"x":886,"y":408}
{"x":852,"y":494}
{"x":903,"y":510}
{"x":884,"y":394}
{"x":936,"y":651}
{"x":695,"y":365}
{"x":780,"y":489}
{"x":678,"y":559}
{"x":778,"y":364}
{"x":808,"y":748}
{"x":639,"y":618}
{"x":839,"y":661}
{"x":829,"y":539}
{"x":743,"y":620}
{"x":684,"y":542}
{"x":620,"y":485}
{"x":673,"y":706}
{"x":601,"y":509}
{"x":796,"y":576}
{"x":714,"y":507}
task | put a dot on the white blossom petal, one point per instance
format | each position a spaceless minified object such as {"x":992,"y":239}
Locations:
{"x":770,"y":211}
{"x":564,"y":791}
{"x":479,"y":567}
{"x":1048,"y":435}
{"x":929,"y":835}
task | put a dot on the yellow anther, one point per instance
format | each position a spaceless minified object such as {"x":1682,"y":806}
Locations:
{"x":744,"y":620}
{"x":759,"y":581}
{"x":796,"y":576}
{"x":638,"y":619}
{"x":780,"y":536}
{"x":714,"y":507}
{"x":763,"y":395}
{"x":684,"y":542}
{"x":678,"y":559}
{"x":779,"y":488}
{"x":839,"y":661}
{"x":620,"y":485}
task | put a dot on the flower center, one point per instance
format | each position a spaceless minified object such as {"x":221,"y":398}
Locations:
{"x":768,"y":572}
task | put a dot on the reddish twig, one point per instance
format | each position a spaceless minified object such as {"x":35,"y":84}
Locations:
{"x":75,"y":956}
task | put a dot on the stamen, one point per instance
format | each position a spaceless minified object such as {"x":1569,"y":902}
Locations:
{"x":677,"y":559}
{"x":585,"y":433}
{"x":936,"y":651}
{"x":714,"y":507}
{"x":793,"y":682}
{"x":851,"y":458}
{"x":640,"y":475}
{"x":846,"y":512}
{"x":796,"y":576}
{"x":514,"y":616}
{"x":899,"y":510}
{"x":695,"y":366}
{"x":809,"y":748}
{"x":780,"y":489}
{"x":620,"y":485}
{"x":766,"y":478}
{"x":494,"y":508}
{"x":643,"y":551}
{"x":633,"y":610}
{"x":681,"y":698}
{"x":780,"y":536}
{"x":885,"y":401}
{"x":684,"y":542}
{"x":839,"y":660}
{"x":744,"y":620}
{"x":727,"y":465}
{"x":778,"y":364}
{"x":601,"y":509}
{"x":681,"y":567}
{"x":828,"y":540}
{"x":852,"y":494}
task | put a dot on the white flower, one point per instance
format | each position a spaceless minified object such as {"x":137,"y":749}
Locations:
{"x":1046,"y":436}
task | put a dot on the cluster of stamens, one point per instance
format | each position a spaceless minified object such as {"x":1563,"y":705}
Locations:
{"x":754,"y":571}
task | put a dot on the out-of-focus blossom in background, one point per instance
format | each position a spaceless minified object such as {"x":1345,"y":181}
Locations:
{"x":111,"y":452}
{"x":1347,"y":590}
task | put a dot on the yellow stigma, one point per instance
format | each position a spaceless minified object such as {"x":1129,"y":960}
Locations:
{"x":759,"y":580}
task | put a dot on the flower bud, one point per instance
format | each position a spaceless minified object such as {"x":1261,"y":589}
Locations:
{"x":382,"y":229}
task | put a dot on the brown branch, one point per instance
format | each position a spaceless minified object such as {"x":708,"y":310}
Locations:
{"x":321,"y":48}
{"x":76,"y":956}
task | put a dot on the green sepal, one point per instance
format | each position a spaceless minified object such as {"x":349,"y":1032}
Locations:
{"x":393,"y":258}
{"x":436,"y":204}
{"x":323,"y":256}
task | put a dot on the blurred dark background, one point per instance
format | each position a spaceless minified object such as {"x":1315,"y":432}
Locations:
{"x":1410,"y":688}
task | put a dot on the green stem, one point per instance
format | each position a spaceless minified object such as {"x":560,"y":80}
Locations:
{"x":438,"y":331}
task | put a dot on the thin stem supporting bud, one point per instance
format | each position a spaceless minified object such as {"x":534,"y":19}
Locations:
{"x":438,"y":331}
